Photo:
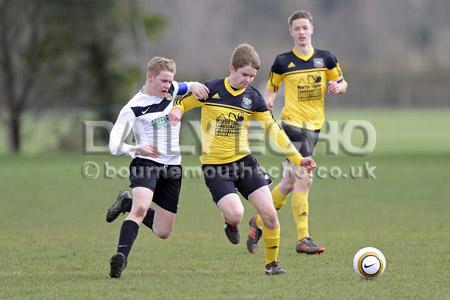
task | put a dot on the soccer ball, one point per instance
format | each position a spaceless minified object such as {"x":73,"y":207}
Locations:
{"x":369,"y":262}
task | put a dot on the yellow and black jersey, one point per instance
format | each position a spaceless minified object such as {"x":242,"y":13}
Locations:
{"x":305,"y":78}
{"x":225,"y":120}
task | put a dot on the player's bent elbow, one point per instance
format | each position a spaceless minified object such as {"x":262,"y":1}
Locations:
{"x":114,"y":148}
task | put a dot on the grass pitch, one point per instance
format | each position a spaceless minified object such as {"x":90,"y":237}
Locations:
{"x":54,"y":242}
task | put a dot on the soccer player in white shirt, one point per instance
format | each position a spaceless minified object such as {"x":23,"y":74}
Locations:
{"x":155,"y":171}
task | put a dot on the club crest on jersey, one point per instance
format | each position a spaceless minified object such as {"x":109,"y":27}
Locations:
{"x":246,"y":103}
{"x":318,"y":63}
{"x":160,"y":122}
{"x":169,"y":97}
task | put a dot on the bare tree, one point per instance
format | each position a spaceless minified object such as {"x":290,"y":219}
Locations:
{"x":20,"y":64}
{"x":52,"y":50}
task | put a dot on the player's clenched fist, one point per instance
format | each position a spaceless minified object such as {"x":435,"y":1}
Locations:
{"x":308,"y":163}
{"x":175,"y":116}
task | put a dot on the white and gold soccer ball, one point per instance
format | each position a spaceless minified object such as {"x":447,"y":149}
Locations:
{"x":369,"y":262}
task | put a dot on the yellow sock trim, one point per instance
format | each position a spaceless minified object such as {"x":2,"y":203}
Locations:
{"x":278,"y":198}
{"x":271,"y":239}
{"x":300,"y":212}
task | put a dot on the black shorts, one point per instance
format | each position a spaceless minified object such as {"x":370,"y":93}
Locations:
{"x":244,"y":175}
{"x":163,"y":180}
{"x":303,"y":139}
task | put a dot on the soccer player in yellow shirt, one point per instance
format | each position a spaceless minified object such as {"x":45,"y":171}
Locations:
{"x":227,"y":163}
{"x":305,"y":72}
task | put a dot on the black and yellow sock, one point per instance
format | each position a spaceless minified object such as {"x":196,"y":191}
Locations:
{"x":300,"y":212}
{"x":271,"y":239}
{"x":278,"y":197}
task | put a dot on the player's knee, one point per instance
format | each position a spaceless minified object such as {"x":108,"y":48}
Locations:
{"x":304,"y":183}
{"x":286,"y":187}
{"x":163,"y":234}
{"x":270,"y":220}
{"x":235,"y":217}
{"x":140,"y":211}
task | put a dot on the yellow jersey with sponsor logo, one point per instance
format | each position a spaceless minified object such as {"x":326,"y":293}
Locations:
{"x":225,"y":120}
{"x":305,"y":83}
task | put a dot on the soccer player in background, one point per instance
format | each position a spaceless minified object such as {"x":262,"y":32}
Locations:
{"x":305,"y":72}
{"x":227,"y":163}
{"x":155,"y":171}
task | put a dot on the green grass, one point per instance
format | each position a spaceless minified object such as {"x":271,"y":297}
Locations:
{"x":54,"y":242}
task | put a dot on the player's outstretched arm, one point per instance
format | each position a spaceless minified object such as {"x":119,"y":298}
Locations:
{"x":199,"y":90}
{"x":277,"y":134}
{"x":183,"y":105}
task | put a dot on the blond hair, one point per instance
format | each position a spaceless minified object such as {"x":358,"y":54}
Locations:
{"x":300,"y":14}
{"x":245,"y":55}
{"x":158,"y":64}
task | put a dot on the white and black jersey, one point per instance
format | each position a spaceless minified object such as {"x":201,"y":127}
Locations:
{"x":147,"y":116}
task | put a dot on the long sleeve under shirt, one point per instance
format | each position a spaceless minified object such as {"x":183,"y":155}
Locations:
{"x":147,"y":116}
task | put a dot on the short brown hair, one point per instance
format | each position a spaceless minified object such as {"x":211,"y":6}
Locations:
{"x":158,"y":64}
{"x":245,"y":55}
{"x":300,"y":14}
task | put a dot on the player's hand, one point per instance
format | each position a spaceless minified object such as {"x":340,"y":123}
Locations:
{"x":200,"y":91}
{"x":147,"y":150}
{"x":335,"y":88}
{"x":175,"y":116}
{"x":308,"y":163}
{"x":270,"y":103}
